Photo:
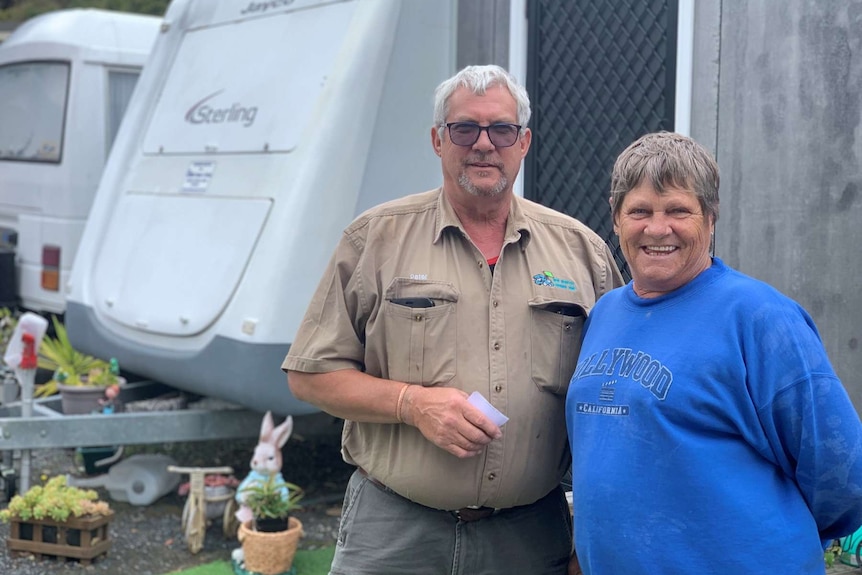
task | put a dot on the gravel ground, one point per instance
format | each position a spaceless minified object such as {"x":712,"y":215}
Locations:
{"x":148,"y":540}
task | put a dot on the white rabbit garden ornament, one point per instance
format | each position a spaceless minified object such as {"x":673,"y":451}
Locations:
{"x":266,"y":462}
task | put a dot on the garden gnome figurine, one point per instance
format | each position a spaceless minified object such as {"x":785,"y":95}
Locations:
{"x":266,"y":462}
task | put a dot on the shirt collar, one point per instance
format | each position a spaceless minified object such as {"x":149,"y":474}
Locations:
{"x":517,"y":226}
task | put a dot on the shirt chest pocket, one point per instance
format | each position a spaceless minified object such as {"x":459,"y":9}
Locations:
{"x":421,"y":332}
{"x":555,"y":338}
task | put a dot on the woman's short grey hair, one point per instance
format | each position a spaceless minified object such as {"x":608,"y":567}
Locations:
{"x":478,"y":79}
{"x":664,"y":159}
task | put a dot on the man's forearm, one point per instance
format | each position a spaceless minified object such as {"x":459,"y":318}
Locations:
{"x":349,"y":394}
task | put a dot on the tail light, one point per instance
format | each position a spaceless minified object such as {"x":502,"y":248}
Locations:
{"x":51,"y":268}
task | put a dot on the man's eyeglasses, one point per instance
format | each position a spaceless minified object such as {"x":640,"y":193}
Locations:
{"x":467,"y":133}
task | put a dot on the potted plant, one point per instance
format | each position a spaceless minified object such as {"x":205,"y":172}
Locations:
{"x":271,"y":502}
{"x":8,"y":322}
{"x":266,"y":548}
{"x":82,"y":380}
{"x":58,"y":520}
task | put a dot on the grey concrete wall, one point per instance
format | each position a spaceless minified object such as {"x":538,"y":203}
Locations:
{"x":705,"y":76}
{"x":483,"y":33}
{"x":786,"y":132}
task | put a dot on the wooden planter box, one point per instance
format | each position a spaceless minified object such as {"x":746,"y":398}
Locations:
{"x":82,"y":538}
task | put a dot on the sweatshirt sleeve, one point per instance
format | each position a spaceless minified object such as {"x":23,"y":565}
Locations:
{"x":812,"y":427}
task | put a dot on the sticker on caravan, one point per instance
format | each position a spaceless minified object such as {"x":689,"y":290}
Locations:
{"x":198,"y":176}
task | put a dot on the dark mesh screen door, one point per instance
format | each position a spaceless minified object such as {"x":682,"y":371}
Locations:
{"x":600,"y":74}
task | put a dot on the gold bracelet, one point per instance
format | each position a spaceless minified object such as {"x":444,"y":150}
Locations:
{"x":401,"y":402}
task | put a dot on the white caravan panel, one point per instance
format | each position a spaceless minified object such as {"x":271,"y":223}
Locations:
{"x":223,"y":107}
{"x":205,"y":258}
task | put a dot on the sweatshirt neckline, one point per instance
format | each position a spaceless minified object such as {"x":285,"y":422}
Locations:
{"x":700,"y":283}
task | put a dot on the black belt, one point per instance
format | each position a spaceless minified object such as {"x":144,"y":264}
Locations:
{"x":468,"y":514}
{"x":465,"y":514}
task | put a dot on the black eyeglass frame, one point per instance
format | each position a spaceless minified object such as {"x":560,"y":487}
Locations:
{"x":480,"y":129}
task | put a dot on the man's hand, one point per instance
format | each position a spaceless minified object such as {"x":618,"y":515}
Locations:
{"x":447,"y":419}
{"x":574,"y":566}
{"x":442,"y":414}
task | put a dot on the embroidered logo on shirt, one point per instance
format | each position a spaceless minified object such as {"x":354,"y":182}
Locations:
{"x":547,"y":278}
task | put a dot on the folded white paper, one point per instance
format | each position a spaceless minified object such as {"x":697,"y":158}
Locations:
{"x":478,"y":400}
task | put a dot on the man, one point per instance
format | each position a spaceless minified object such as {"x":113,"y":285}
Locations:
{"x":427,"y":299}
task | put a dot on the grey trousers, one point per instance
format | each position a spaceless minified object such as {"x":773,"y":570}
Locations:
{"x":382,"y":533}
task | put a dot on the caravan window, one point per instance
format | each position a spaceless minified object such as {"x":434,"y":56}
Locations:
{"x":32,"y":110}
{"x":121,"y":84}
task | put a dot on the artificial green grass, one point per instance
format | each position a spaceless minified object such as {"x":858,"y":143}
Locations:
{"x":307,"y":562}
{"x":316,"y":562}
{"x":215,"y":568}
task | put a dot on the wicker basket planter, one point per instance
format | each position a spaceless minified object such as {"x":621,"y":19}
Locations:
{"x":82,"y":538}
{"x":269,"y":553}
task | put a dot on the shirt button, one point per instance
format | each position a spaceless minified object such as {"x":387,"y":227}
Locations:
{"x":492,"y":476}
{"x":498,"y":388}
{"x":497,"y":346}
{"x":496,"y":303}
{"x":567,"y":326}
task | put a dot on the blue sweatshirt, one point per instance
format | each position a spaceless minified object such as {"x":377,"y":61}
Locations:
{"x":709,"y":434}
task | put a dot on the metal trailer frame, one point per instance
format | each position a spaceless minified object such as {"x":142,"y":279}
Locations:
{"x":49,"y":428}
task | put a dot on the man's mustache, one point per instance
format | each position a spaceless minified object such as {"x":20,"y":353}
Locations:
{"x":483,"y":159}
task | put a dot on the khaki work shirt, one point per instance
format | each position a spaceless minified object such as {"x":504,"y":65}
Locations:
{"x":513,"y":335}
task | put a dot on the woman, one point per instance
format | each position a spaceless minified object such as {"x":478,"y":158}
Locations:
{"x":709,"y":432}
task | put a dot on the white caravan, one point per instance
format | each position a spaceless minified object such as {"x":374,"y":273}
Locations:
{"x":258,"y":130}
{"x":65,"y":80}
